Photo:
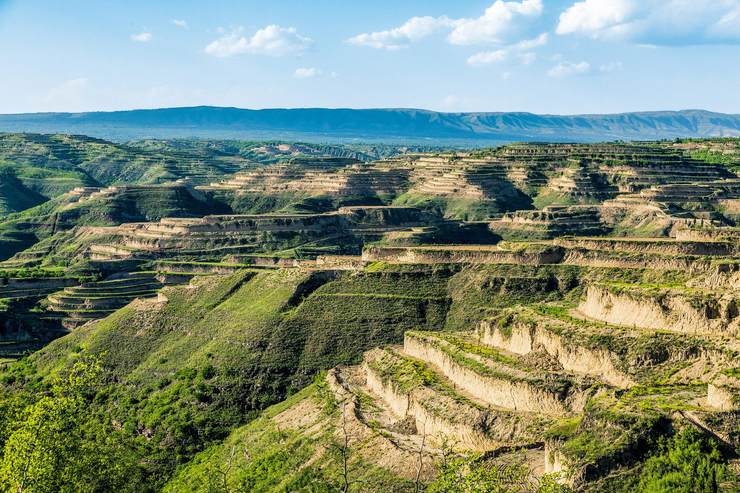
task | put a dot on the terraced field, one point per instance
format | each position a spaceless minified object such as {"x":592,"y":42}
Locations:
{"x":285,"y":317}
{"x":96,"y":300}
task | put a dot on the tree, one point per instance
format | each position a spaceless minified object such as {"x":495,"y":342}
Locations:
{"x":687,"y":463}
{"x":59,"y":445}
{"x":474,"y":474}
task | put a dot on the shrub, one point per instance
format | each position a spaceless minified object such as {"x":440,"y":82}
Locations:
{"x":686,"y":463}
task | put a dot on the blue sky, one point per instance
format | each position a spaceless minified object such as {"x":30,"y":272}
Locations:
{"x":543,"y":56}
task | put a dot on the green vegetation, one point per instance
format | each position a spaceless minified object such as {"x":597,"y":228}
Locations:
{"x":14,"y":195}
{"x":687,"y":463}
{"x":225,"y":382}
{"x":56,"y":445}
{"x":473,"y":474}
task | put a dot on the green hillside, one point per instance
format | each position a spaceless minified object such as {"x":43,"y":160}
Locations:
{"x":129,"y":204}
{"x":14,"y":195}
{"x":219,"y":316}
{"x":98,"y":162}
{"x":191,"y":369}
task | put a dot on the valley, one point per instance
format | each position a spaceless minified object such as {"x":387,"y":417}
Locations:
{"x":280,"y":316}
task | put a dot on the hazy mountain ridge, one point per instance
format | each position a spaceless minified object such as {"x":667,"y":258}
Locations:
{"x":394,"y":124}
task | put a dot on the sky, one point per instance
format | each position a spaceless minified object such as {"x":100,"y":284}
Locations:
{"x":541,"y":56}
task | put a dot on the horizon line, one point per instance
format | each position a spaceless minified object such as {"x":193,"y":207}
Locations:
{"x":379,"y":108}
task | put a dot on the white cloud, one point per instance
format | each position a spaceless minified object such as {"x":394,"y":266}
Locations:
{"x":451,"y":101}
{"x":595,"y":17}
{"x":144,"y":37}
{"x":521,"y":49}
{"x":70,"y":86}
{"x":567,"y":69}
{"x":530,"y":44}
{"x":497,"y":21}
{"x":456,"y":102}
{"x":654,"y":22}
{"x":412,"y":30}
{"x":307,"y":73}
{"x":180,"y":23}
{"x":488,"y":57}
{"x":272,"y":40}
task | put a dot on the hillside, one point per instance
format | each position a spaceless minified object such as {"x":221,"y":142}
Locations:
{"x":15,"y":196}
{"x":529,"y":318}
{"x":399,"y":125}
{"x":54,"y":164}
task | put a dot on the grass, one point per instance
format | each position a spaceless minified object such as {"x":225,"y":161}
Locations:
{"x":211,"y":357}
{"x":267,"y":457}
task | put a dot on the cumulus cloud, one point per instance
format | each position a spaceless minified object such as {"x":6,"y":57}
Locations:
{"x":144,"y":37}
{"x":530,"y":44}
{"x":656,"y":22}
{"x":272,"y":40}
{"x":488,"y":57}
{"x":567,"y":69}
{"x":497,"y":22}
{"x":306,"y":73}
{"x":412,"y":30}
{"x":180,"y":23}
{"x":521,"y":51}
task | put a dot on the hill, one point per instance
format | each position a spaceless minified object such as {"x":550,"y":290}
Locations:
{"x":14,"y":195}
{"x":54,"y":164}
{"x":322,"y":124}
{"x":545,"y":317}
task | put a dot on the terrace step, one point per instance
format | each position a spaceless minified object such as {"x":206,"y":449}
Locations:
{"x":666,"y":246}
{"x":685,"y":310}
{"x":407,"y":397}
{"x":495,"y":378}
{"x":622,"y":357}
{"x":124,"y":286}
{"x":95,"y":300}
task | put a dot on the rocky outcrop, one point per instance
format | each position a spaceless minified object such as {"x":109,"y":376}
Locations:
{"x":722,"y":398}
{"x":441,"y":419}
{"x":723,"y":393}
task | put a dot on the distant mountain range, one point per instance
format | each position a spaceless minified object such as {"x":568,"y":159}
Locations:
{"x":392,"y":125}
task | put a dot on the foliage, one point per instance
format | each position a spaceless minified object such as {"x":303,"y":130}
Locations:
{"x":57,"y":446}
{"x":687,"y":463}
{"x":473,"y":474}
